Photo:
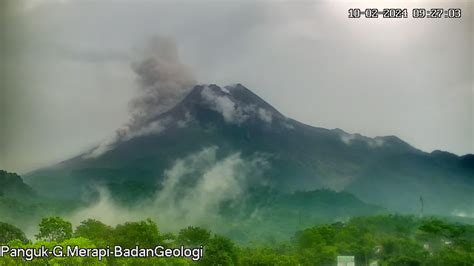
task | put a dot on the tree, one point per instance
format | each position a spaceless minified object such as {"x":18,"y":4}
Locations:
{"x":402,"y":251}
{"x":54,"y":229}
{"x":266,"y":256}
{"x":434,"y":226}
{"x":220,"y":251}
{"x":9,"y":232}
{"x":403,"y":261}
{"x":193,"y":236}
{"x":452,"y":256}
{"x":143,"y":234}
{"x":95,"y":231}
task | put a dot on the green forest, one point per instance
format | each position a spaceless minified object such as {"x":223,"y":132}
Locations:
{"x":373,"y":240}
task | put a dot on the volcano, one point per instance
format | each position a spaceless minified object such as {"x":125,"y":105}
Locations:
{"x":383,"y":170}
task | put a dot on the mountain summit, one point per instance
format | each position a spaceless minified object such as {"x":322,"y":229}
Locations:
{"x":293,"y":156}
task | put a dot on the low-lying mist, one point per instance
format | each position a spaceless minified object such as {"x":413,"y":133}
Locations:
{"x":191,"y":192}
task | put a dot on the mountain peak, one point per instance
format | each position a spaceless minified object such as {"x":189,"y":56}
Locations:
{"x":236,"y":103}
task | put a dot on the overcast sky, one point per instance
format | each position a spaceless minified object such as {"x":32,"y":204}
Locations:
{"x":67,"y":78}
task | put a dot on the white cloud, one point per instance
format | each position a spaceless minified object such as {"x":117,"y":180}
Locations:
{"x":225,"y":106}
{"x":347,"y":138}
{"x":105,"y":210}
{"x":232,"y":112}
{"x":265,"y":115}
{"x":192,"y":190}
{"x":184,"y":122}
{"x":376,"y":142}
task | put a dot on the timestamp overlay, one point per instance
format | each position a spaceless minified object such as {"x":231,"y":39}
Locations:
{"x":404,"y":13}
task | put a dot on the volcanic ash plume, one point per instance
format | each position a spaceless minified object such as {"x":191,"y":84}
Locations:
{"x":163,"y":81}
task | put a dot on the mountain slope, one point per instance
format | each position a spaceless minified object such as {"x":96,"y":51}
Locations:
{"x":381,"y":170}
{"x":11,"y":185}
{"x":20,"y":204}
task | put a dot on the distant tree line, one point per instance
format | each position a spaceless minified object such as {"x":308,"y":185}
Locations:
{"x":385,"y":239}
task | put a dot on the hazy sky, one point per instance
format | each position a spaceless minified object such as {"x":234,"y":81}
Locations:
{"x":67,"y":78}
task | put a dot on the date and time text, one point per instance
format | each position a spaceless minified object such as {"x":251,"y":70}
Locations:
{"x":417,"y":13}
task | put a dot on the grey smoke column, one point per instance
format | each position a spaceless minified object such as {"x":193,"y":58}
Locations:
{"x":163,"y":80}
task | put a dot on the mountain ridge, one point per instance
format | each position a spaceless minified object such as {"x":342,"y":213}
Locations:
{"x":301,"y":157}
